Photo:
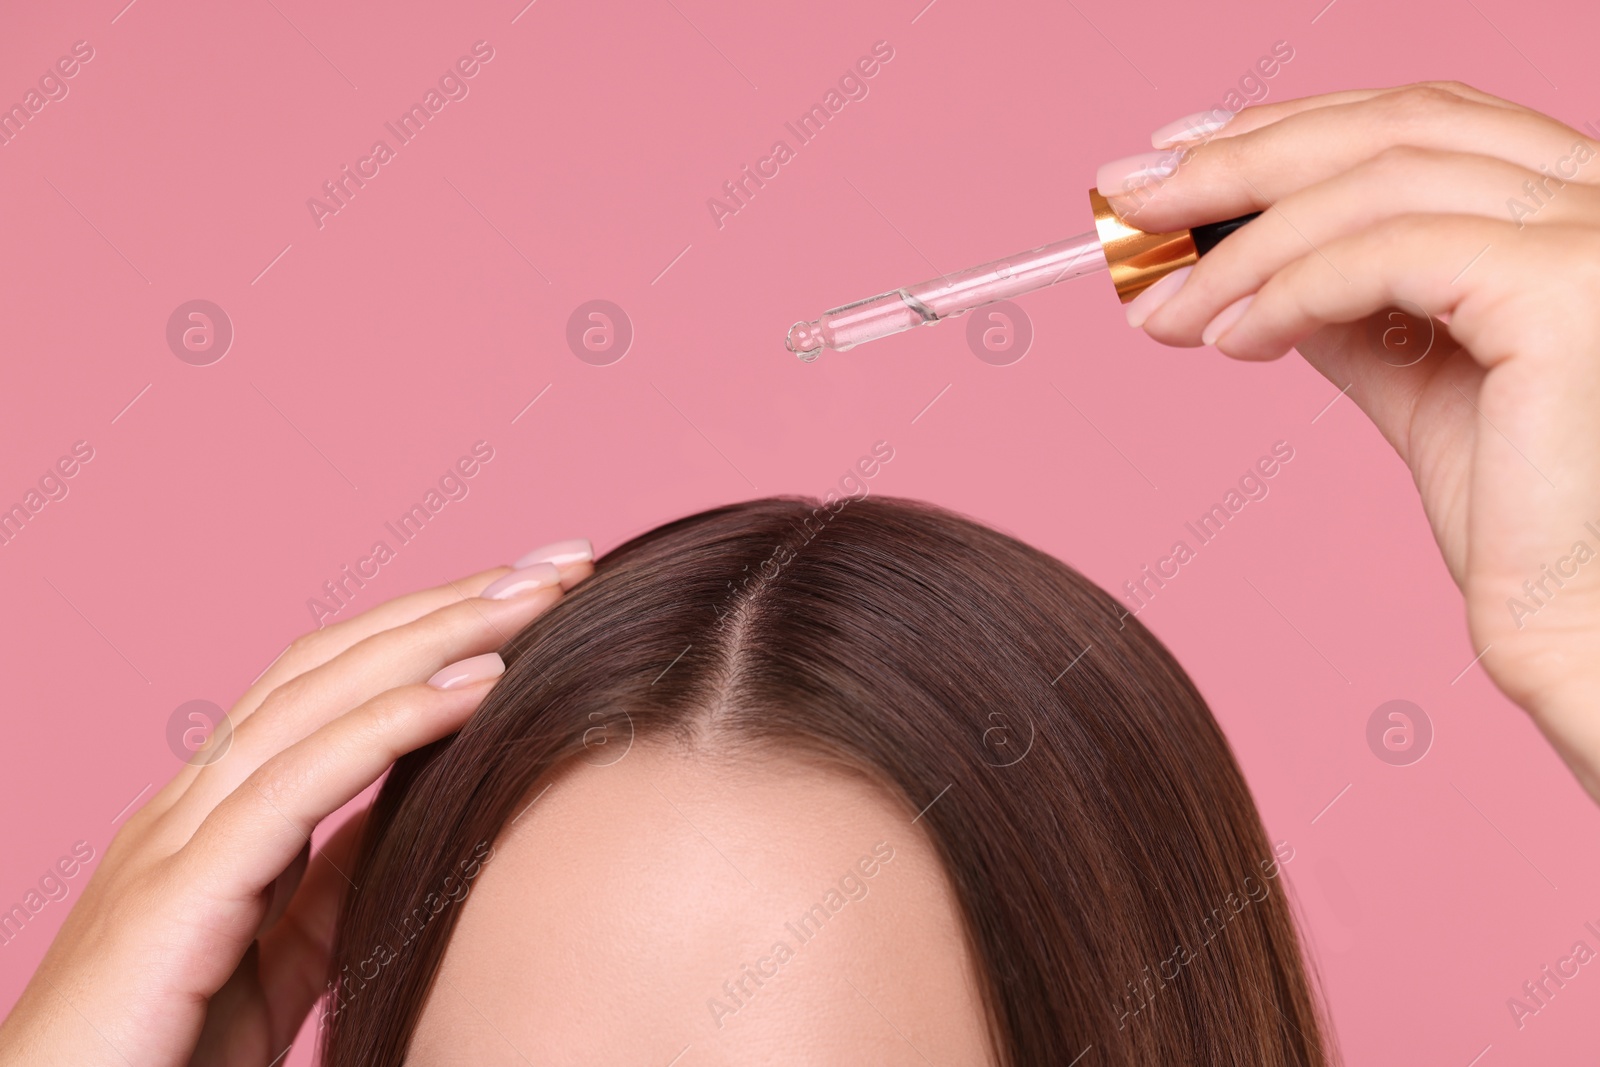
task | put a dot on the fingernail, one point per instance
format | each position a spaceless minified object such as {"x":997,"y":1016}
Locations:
{"x":561,"y":553}
{"x":1126,"y":207}
{"x":1125,"y":175}
{"x":465,"y":672}
{"x":1225,"y":320}
{"x":522,"y":580}
{"x":1141,"y":307}
{"x":1191,"y":127}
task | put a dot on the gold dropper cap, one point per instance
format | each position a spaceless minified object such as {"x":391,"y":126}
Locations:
{"x":1136,"y":259}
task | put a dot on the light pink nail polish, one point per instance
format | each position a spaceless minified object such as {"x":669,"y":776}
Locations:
{"x":1225,"y":319}
{"x":522,"y":580}
{"x":561,"y":553}
{"x":465,"y":672}
{"x":1196,"y":127}
{"x":1127,"y":207}
{"x":1141,"y":307}
{"x":1127,"y":174}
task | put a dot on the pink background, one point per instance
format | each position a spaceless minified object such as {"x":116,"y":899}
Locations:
{"x":432,"y":309}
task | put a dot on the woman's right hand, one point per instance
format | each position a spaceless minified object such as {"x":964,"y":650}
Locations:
{"x":204,"y":936}
{"x":1444,"y":200}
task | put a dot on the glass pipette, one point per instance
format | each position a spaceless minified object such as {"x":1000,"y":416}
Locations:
{"x":1134,"y":257}
{"x":941,"y":298}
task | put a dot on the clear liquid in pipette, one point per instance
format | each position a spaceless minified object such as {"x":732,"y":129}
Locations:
{"x":928,"y":302}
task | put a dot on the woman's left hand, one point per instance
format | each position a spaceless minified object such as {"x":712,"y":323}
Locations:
{"x":1485,"y":216}
{"x":203,"y":938}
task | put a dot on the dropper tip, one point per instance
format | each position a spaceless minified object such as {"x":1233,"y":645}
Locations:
{"x":805,"y":340}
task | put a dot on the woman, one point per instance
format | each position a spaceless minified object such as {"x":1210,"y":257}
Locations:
{"x":860,"y":783}
{"x":191,"y":941}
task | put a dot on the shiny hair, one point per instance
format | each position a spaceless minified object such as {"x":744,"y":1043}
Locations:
{"x":1112,"y":874}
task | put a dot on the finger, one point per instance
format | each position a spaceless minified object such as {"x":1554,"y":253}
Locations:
{"x":1231,"y":176}
{"x":1399,"y":181}
{"x":1312,"y":291}
{"x":1522,"y":412}
{"x":312,"y":650}
{"x":573,"y":558}
{"x":1532,"y":469}
{"x":263,"y":824}
{"x":1255,"y":116}
{"x":573,"y":573}
{"x":321,"y":645}
{"x":284,"y":887}
{"x":295,"y":951}
{"x":1439,"y":413}
{"x":235,"y":1028}
{"x":402,"y":655}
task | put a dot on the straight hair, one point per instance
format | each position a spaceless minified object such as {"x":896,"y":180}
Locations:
{"x":1119,"y":895}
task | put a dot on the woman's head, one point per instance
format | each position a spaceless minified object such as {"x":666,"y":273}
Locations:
{"x":857,"y":783}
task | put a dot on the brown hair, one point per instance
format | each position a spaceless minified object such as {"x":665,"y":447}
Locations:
{"x":1113,"y":874}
